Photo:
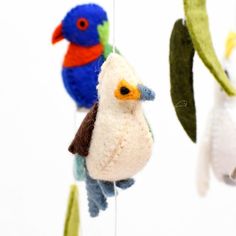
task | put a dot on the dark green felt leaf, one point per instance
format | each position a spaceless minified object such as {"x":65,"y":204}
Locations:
{"x":181,"y":77}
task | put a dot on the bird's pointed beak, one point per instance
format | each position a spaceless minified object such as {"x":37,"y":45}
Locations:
{"x":146,"y":93}
{"x":57,"y":34}
{"x":126,"y":91}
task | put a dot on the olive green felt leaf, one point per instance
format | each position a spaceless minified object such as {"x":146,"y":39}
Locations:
{"x":72,"y":221}
{"x":181,"y":77}
{"x":198,"y":26}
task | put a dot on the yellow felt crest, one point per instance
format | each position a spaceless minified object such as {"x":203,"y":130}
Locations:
{"x":230,"y":44}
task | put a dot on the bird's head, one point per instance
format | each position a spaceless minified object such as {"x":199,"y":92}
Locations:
{"x":119,"y":84}
{"x":230,"y":69}
{"x":85,"y":25}
{"x":230,"y":58}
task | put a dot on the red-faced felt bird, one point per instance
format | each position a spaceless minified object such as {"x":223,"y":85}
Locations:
{"x":86,"y":28}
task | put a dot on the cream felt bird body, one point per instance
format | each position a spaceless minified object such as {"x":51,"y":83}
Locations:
{"x":121,"y":144}
{"x":218,"y":146}
{"x":114,"y":141}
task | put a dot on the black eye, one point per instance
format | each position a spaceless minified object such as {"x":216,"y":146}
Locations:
{"x":124,"y":90}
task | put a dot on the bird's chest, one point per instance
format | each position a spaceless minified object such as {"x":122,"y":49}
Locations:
{"x":223,"y":151}
{"x":79,"y":56}
{"x":120,"y":147}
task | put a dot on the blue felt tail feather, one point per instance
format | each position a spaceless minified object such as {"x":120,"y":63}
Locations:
{"x":98,"y":191}
{"x":125,"y":184}
{"x":95,"y":194}
{"x":93,"y":209}
{"x":107,"y":188}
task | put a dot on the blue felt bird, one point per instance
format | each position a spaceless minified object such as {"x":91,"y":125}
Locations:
{"x":86,"y":27}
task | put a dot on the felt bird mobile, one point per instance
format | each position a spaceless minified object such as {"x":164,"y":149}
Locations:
{"x":114,"y":142}
{"x":218,"y":147}
{"x":86,"y":28}
{"x":192,"y":35}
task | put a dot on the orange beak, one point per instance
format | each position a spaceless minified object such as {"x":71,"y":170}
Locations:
{"x":57,"y":35}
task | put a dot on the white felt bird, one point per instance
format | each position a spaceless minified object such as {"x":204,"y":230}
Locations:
{"x":218,"y":145}
{"x":115,"y":139}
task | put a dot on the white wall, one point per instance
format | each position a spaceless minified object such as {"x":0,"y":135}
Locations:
{"x":37,"y":124}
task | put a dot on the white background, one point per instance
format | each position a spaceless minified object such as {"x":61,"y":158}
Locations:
{"x":37,"y":125}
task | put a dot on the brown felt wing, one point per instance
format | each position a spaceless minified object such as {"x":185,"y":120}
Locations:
{"x":81,"y":142}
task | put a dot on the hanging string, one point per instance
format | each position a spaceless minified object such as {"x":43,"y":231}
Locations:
{"x":114,"y":26}
{"x":116,"y":212}
{"x":114,"y":50}
{"x":74,"y":130}
{"x":81,"y":233}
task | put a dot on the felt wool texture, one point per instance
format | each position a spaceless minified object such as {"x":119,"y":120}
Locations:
{"x":87,"y":30}
{"x":217,"y":147}
{"x":230,"y":44}
{"x":98,"y":191}
{"x":81,"y":142}
{"x":198,"y":25}
{"x":125,"y":184}
{"x":103,"y":31}
{"x":121,"y":142}
{"x":125,"y":91}
{"x":107,"y":188}
{"x":181,"y":77}
{"x":79,"y":56}
{"x":72,"y":222}
{"x":96,"y":199}
{"x":79,"y":168}
{"x":146,"y":94}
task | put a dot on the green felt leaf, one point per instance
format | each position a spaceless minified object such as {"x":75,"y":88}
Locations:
{"x":181,"y":76}
{"x":72,"y":221}
{"x":198,"y":25}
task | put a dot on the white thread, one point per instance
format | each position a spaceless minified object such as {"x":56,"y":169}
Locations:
{"x":116,"y":213}
{"x":75,"y":182}
{"x":114,"y":50}
{"x":75,"y":119}
{"x":114,"y":25}
{"x":74,"y":128}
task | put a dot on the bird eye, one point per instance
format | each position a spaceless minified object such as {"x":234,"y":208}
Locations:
{"x":82,"y":24}
{"x":124,"y":91}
